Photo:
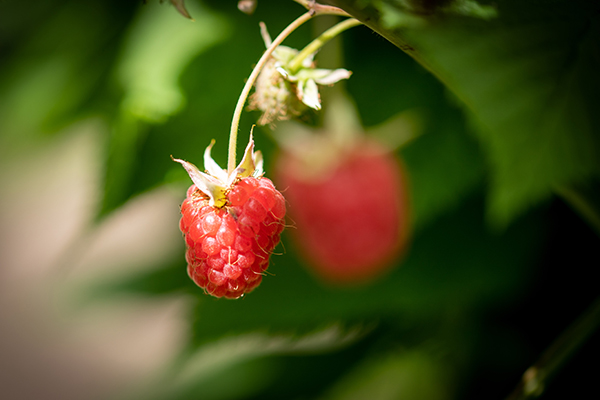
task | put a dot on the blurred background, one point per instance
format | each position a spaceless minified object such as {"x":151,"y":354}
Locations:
{"x":95,"y":301}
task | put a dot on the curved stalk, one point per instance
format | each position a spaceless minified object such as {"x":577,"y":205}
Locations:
{"x":319,"y":42}
{"x":231,"y":162}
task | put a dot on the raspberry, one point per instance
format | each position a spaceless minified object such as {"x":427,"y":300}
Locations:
{"x":231,"y":224}
{"x":351,"y":218}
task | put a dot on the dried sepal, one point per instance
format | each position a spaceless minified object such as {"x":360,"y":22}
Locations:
{"x":216,"y":181}
{"x":282,"y":92}
{"x":211,"y":165}
{"x":207,"y":184}
{"x":251,"y":162}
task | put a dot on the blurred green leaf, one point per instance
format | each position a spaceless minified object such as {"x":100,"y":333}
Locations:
{"x":414,"y":374}
{"x":415,"y":12}
{"x":529,"y":78}
{"x":62,"y":54}
{"x":155,"y":53}
{"x":167,"y":280}
{"x":179,"y":6}
{"x":157,"y":48}
{"x":444,"y":165}
{"x":246,"y":359}
{"x":252,"y":376}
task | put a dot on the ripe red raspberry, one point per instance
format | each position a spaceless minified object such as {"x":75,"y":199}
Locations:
{"x":231,"y":228}
{"x":351,"y":217}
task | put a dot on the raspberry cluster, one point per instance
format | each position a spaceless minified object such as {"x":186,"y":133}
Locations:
{"x":228,"y":248}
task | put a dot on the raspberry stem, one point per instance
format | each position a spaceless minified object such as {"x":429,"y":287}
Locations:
{"x":580,"y":201}
{"x":319,"y":42}
{"x":555,"y":357}
{"x":231,"y":162}
{"x":317,"y":8}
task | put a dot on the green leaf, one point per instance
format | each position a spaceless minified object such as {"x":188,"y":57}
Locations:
{"x":156,"y":51}
{"x":165,"y":280}
{"x":248,"y":359}
{"x":529,"y":80}
{"x":60,"y":55}
{"x":415,"y":374}
{"x":444,"y":165}
{"x":413,"y":13}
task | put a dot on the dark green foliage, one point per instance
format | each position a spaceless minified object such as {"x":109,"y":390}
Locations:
{"x":527,"y":78}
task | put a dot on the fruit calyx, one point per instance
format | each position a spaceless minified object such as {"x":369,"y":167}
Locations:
{"x":288,"y":83}
{"x":216,"y":181}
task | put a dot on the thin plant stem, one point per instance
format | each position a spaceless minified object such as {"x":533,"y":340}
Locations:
{"x":582,"y":205}
{"x":554,"y":358}
{"x":317,"y":8}
{"x":319,"y":42}
{"x":231,"y":160}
